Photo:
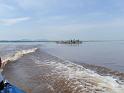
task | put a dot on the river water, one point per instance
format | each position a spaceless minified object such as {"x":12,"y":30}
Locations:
{"x":108,"y":54}
{"x":55,"y":68}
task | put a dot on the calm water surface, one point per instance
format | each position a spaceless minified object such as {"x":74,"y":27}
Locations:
{"x":108,"y":54}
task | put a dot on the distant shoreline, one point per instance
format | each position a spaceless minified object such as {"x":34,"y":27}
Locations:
{"x":22,"y":41}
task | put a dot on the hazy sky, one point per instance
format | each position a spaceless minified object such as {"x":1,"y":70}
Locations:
{"x":62,"y":19}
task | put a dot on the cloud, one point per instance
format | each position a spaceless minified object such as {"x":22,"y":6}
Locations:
{"x":6,"y":10}
{"x":35,"y":4}
{"x":6,"y":6}
{"x":82,"y":27}
{"x":13,"y":21}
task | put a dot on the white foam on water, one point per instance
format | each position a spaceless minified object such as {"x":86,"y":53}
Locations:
{"x":85,"y":78}
{"x":18,"y":55}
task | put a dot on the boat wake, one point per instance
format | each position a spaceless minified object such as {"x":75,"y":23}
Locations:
{"x":67,"y":77}
{"x":63,"y":76}
{"x":17,"y":55}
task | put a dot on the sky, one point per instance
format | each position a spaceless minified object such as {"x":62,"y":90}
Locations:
{"x":62,"y":19}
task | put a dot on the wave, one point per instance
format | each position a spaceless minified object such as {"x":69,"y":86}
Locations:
{"x":104,"y":71}
{"x":17,"y":55}
{"x":68,"y":77}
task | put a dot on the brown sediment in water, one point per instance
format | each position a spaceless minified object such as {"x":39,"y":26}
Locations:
{"x":38,"y":77}
{"x":104,"y":71}
{"x":21,"y":73}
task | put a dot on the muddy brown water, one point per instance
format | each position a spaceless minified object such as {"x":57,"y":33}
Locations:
{"x":34,"y":74}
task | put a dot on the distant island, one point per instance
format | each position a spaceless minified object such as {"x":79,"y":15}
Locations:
{"x":69,"y":42}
